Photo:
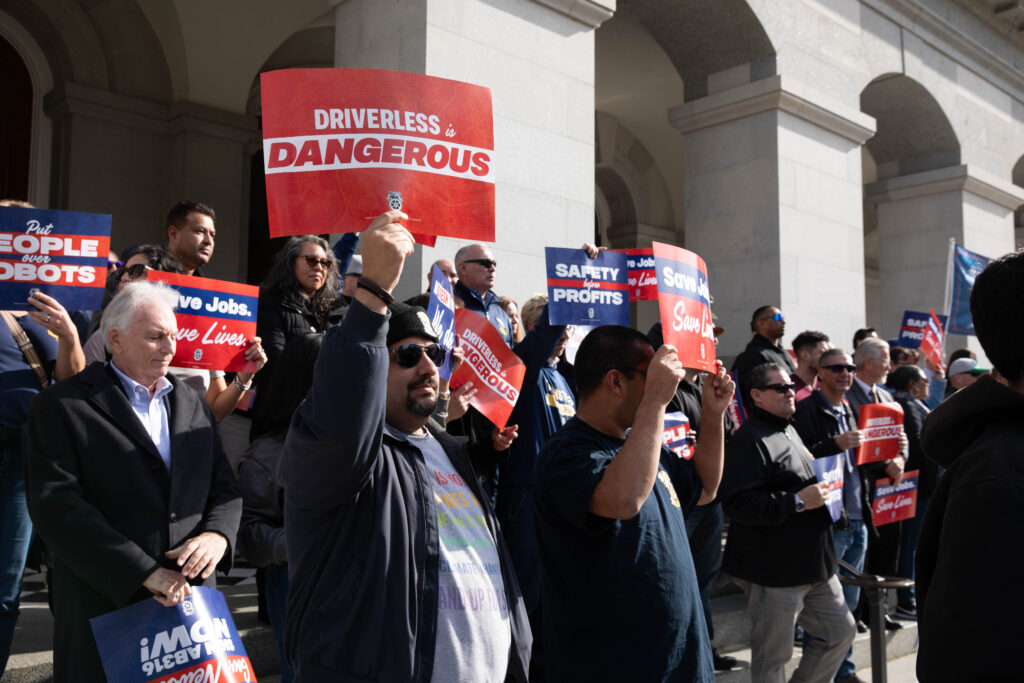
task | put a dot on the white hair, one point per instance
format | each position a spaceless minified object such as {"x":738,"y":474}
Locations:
{"x":121,"y":310}
{"x":870,"y":348}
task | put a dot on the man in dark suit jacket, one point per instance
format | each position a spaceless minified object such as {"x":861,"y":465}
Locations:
{"x":126,"y":480}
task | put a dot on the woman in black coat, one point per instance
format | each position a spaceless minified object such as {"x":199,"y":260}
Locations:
{"x":301,"y":295}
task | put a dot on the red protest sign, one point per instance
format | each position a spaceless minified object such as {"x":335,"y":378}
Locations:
{"x":895,"y":503}
{"x":643,"y":283}
{"x":496,"y":372}
{"x":931,"y":340}
{"x":341,"y":146}
{"x":685,"y":303}
{"x":880,"y":425}
{"x":216,"y":320}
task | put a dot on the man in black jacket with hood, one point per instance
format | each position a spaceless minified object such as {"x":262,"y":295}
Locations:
{"x":971,"y":536}
{"x":768,"y":325}
{"x":780,"y":548}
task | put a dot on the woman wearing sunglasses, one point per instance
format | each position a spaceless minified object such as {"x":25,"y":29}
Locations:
{"x":302,"y":294}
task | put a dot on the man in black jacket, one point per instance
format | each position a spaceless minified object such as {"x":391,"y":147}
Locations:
{"x":126,"y":480}
{"x":768,"y":325}
{"x":826,"y":425}
{"x":397,"y":568}
{"x":780,"y":548}
{"x":970,"y":541}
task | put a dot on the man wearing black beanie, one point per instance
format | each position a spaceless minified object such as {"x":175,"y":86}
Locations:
{"x":398,"y":569}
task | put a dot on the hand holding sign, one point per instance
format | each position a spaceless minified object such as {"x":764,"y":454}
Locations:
{"x":664,"y":374}
{"x":813,"y":495}
{"x":167,"y":586}
{"x":716,"y":395}
{"x":199,"y":556}
{"x":51,"y":315}
{"x":848,"y":440}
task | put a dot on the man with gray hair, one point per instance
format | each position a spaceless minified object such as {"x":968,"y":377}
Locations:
{"x":126,"y":480}
{"x":475,"y":266}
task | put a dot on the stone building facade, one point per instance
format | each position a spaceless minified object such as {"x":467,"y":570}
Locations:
{"x":819,"y":154}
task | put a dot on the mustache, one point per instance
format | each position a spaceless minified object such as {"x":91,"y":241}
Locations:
{"x":426,"y":380}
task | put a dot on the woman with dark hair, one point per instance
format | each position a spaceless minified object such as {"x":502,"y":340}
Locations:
{"x":261,"y":534}
{"x":911,"y":387}
{"x":302,"y":294}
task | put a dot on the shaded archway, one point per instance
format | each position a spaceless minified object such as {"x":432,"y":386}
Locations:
{"x":15,"y":123}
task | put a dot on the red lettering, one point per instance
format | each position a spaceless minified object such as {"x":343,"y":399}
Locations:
{"x":480,"y":164}
{"x":368,"y":151}
{"x":338,"y":151}
{"x":415,"y":152}
{"x":309,"y":154}
{"x":461,"y":166}
{"x":281,"y":154}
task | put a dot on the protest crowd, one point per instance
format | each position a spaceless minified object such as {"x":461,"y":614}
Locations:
{"x":514,"y":504}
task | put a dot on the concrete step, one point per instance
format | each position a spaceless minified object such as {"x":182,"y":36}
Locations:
{"x":732,"y":637}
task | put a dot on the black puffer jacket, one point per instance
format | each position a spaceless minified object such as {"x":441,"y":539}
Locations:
{"x":970,"y":558}
{"x":759,"y":350}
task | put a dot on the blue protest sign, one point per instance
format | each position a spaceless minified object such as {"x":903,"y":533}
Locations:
{"x":676,"y":434}
{"x":60,"y":253}
{"x":912,"y":328}
{"x":830,"y":472}
{"x":195,"y":640}
{"x":441,"y":311}
{"x":585,"y":291}
{"x":966,"y":267}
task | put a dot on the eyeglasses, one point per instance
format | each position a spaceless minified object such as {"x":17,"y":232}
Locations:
{"x":777,"y":317}
{"x":840,"y":367}
{"x":780,"y":388}
{"x":408,"y":355}
{"x":313,"y":262}
{"x":136,"y":271}
{"x":485,"y":262}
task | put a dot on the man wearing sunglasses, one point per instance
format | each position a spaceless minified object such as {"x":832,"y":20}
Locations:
{"x":780,"y":548}
{"x":476,"y":267}
{"x":398,"y":570}
{"x":826,"y":423}
{"x":768,"y":324}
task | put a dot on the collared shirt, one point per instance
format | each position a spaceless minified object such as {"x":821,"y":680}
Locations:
{"x":869,"y":389}
{"x":851,"y":477}
{"x":152,"y":412}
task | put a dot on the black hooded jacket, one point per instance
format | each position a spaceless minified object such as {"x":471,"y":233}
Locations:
{"x":970,"y":558}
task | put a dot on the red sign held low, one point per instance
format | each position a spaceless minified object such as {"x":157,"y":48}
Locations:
{"x":895,"y":503}
{"x":881,"y":425}
{"x":496,"y":372}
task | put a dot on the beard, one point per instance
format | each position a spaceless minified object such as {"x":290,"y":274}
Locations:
{"x":425,"y":406}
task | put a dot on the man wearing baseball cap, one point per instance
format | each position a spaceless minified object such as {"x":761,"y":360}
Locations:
{"x":964,"y":372}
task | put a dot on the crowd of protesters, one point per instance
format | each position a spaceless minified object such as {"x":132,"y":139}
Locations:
{"x":401,"y":536}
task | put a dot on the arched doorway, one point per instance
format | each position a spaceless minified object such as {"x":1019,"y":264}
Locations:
{"x":15,"y":124}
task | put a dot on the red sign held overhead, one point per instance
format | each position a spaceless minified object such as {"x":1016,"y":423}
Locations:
{"x":496,"y":372}
{"x":685,"y":303}
{"x":931,"y":341}
{"x":881,"y":425}
{"x":643,"y":282}
{"x":216,"y":320}
{"x":341,"y":146}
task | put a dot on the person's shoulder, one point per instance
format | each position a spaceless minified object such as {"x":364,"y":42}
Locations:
{"x":575,"y":439}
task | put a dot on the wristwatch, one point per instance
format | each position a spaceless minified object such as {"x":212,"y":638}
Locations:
{"x":800,"y":507}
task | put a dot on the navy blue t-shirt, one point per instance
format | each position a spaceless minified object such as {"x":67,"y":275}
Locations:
{"x":18,"y":381}
{"x":620,"y":596}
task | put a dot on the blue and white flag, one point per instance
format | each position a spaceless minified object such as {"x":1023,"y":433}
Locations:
{"x":966,"y":267}
{"x":441,"y":311}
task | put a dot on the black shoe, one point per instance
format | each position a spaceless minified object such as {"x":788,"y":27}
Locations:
{"x":906,"y":612}
{"x":723,"y":662}
{"x":891,"y":624}
{"x":861,"y":627}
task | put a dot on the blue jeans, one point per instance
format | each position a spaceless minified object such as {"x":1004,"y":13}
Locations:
{"x":15,"y":535}
{"x":704,"y":530}
{"x":277,"y":599}
{"x":851,"y":545}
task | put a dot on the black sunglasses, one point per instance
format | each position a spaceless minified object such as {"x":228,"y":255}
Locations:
{"x":780,"y":388}
{"x":408,"y":355}
{"x":839,"y":367}
{"x":485,"y":262}
{"x":136,"y":271}
{"x":777,"y":317}
{"x":313,"y":261}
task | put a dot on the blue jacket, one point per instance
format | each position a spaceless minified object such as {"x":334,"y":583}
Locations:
{"x":489,"y":306}
{"x":361,"y":529}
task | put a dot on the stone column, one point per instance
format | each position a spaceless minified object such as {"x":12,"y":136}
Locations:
{"x":538,"y":60}
{"x":773,"y":205}
{"x":918,"y":214}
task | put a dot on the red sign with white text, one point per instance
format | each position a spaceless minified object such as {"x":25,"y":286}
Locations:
{"x":880,"y":425}
{"x":643,"y":282}
{"x":341,"y":146}
{"x":895,"y":503}
{"x":216,"y":320}
{"x":685,"y":303}
{"x":496,"y":372}
{"x":931,"y":339}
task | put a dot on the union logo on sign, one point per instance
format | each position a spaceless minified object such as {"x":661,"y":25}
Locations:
{"x":197,"y":354}
{"x":395,"y":200}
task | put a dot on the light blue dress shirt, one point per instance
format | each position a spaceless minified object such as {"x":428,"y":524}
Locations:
{"x":152,"y":412}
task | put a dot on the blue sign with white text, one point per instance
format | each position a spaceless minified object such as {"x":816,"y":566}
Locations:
{"x":586,"y":291}
{"x":196,"y":640}
{"x":441,"y":311}
{"x":830,"y":472}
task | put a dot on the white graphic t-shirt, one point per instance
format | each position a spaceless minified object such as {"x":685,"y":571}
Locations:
{"x":473,"y":630}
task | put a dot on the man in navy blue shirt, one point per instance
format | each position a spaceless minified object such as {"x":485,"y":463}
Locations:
{"x":609,"y":501}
